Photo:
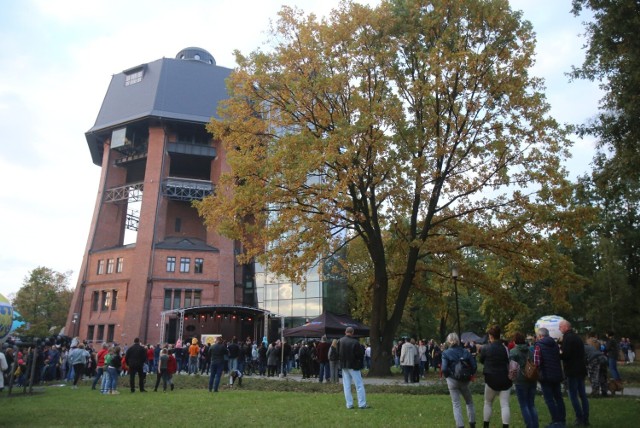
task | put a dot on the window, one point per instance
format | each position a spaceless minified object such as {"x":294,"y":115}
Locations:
{"x":187,"y":298}
{"x":197,"y":296}
{"x":90,"y":331}
{"x":171,"y":264}
{"x":110,"y":264}
{"x":119,"y":265}
{"x":114,"y":300}
{"x":178,"y":224}
{"x":94,"y":300}
{"x":100,"y":337}
{"x":133,"y":77}
{"x":106,"y":300}
{"x":198,"y":266}
{"x":110,"y":330}
{"x":184,"y":264}
{"x":176,"y":298}
{"x":167,"y":299}
{"x":100,"y":267}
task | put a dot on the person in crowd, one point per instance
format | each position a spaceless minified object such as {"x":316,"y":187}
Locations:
{"x":575,"y":369}
{"x":273,"y":358}
{"x":78,"y":358}
{"x":163,"y":371}
{"x":546,"y":356}
{"x":203,"y":360}
{"x":234,"y":352}
{"x":597,"y":368}
{"x":4,"y":367}
{"x":217,"y":354}
{"x":422,"y":354}
{"x":322,"y":350}
{"x":436,"y":357}
{"x":352,"y":360}
{"x":194,"y":353}
{"x":304,"y":357}
{"x":367,"y":356}
{"x":611,"y":349}
{"x":262,"y":359}
{"x":495,"y":357}
{"x":113,"y":370}
{"x":150,"y":358}
{"x":397,"y":349}
{"x":172,"y":366}
{"x":286,"y":355}
{"x":104,"y":350}
{"x":106,"y":378}
{"x":136,"y":357}
{"x":525,"y":388}
{"x":456,"y":354}
{"x":408,"y":354}
{"x":334,"y":361}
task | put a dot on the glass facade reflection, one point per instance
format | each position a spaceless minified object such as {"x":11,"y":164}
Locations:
{"x":296,"y":302}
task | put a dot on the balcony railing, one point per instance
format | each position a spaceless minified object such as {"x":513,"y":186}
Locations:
{"x":185,"y":189}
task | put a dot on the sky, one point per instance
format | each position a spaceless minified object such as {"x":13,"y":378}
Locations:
{"x":56,"y":62}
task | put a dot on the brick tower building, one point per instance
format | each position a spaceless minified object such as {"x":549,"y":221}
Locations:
{"x":156,"y":157}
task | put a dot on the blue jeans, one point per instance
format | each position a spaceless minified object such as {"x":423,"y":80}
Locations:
{"x":578,"y":396}
{"x":216,"y":374}
{"x":552,"y":394}
{"x":349,"y":375}
{"x":324,"y":372}
{"x":613,"y":368}
{"x":193,"y":365}
{"x":526,"y":394}
{"x":113,"y":378}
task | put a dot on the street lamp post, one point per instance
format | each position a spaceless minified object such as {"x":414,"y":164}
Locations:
{"x":454,"y":275}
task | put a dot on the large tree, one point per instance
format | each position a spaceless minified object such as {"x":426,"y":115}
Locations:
{"x":613,"y":59}
{"x":43,"y":301}
{"x":609,"y":253}
{"x":413,"y":127}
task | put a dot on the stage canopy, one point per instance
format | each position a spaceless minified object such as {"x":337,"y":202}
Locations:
{"x":329,"y":324}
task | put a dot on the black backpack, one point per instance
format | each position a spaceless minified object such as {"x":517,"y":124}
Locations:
{"x":462,"y":370}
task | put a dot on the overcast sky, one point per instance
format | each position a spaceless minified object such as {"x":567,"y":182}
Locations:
{"x":56,"y":61}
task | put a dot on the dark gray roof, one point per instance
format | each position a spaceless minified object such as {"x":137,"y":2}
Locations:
{"x":186,"y":89}
{"x":189,"y":244}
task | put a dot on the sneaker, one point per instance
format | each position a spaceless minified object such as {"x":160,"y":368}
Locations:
{"x":366,"y":406}
{"x":115,"y":392}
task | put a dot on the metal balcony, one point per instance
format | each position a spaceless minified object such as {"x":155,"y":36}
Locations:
{"x":185,"y":189}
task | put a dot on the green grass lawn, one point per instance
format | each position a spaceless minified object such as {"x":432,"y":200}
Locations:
{"x":262,"y":402}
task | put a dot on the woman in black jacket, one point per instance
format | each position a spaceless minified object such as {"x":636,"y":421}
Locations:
{"x":495,"y":357}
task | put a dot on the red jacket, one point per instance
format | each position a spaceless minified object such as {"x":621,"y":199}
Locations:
{"x":172,"y":365}
{"x":100,"y":357}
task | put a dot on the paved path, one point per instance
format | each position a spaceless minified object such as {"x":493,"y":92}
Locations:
{"x":631,"y":391}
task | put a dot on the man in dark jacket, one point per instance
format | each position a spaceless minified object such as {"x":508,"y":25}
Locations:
{"x":351,"y":361}
{"x":546,"y":356}
{"x":575,"y":368}
{"x":135,"y":358}
{"x":217,"y":351}
{"x":322,"y":349}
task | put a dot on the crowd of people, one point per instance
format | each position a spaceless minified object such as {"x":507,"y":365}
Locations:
{"x":522,"y":364}
{"x":519,"y":364}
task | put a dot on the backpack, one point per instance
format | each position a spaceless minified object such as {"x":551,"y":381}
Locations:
{"x":462,"y":370}
{"x":530,"y":371}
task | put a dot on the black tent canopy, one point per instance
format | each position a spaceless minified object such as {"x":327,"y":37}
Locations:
{"x":329,"y":324}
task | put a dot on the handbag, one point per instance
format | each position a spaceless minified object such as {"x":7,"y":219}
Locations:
{"x":514,"y":368}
